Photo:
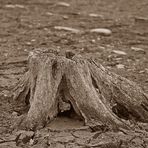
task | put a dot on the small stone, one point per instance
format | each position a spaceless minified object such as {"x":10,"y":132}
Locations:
{"x":14,"y":113}
{"x":49,"y":13}
{"x":65,"y":17}
{"x":119,"y":52}
{"x":5,"y":95}
{"x":10,"y":6}
{"x":33,"y":40}
{"x":120,"y":66}
{"x":46,"y":29}
{"x":101,"y":47}
{"x":101,"y":31}
{"x":98,"y":38}
{"x":118,"y":59}
{"x":5,"y":54}
{"x":146,"y":69}
{"x":28,"y":43}
{"x":67,"y":29}
{"x":19,"y":6}
{"x":14,"y":6}
{"x":137,"y":49}
{"x":141,"y":19}
{"x":31,"y":142}
{"x":95,"y":15}
{"x":93,"y":41}
{"x":63,"y":4}
{"x":142,"y":71}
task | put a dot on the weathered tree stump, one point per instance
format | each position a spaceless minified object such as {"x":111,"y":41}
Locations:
{"x":56,"y":83}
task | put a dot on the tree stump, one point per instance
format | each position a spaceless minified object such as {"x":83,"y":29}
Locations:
{"x":57,"y":83}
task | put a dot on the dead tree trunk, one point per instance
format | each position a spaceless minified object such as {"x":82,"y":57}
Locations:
{"x":57,"y":83}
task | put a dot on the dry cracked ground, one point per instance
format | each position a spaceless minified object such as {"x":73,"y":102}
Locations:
{"x":66,"y":25}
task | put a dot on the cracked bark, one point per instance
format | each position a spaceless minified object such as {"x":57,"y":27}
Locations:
{"x":56,"y":83}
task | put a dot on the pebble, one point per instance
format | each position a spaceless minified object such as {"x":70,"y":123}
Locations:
{"x":95,"y":15}
{"x":28,"y":43}
{"x":67,"y":29}
{"x":142,"y":71}
{"x":26,"y":50}
{"x":119,"y":52}
{"x":141,"y":19}
{"x":14,"y":6}
{"x":101,"y":31}
{"x":33,"y":40}
{"x":120,"y":66}
{"x":65,"y":17}
{"x":137,"y":49}
{"x":63,"y":4}
{"x":5,"y":54}
{"x":14,"y":113}
{"x":98,"y":38}
{"x":118,"y":59}
{"x":31,"y":142}
{"x":49,"y":13}
{"x":93,"y":41}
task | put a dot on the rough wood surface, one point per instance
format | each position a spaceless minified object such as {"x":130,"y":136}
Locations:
{"x":56,"y":83}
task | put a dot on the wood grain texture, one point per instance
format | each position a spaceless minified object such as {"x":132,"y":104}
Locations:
{"x":56,"y":83}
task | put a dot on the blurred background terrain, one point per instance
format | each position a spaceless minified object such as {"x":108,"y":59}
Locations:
{"x":29,"y":24}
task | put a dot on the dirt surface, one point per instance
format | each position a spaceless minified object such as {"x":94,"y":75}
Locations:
{"x":30,"y":24}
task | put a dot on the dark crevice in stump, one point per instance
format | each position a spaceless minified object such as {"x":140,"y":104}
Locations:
{"x":94,"y":83}
{"x":27,"y":98}
{"x":121,"y":111}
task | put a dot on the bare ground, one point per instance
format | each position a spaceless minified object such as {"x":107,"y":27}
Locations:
{"x":30,"y":24}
